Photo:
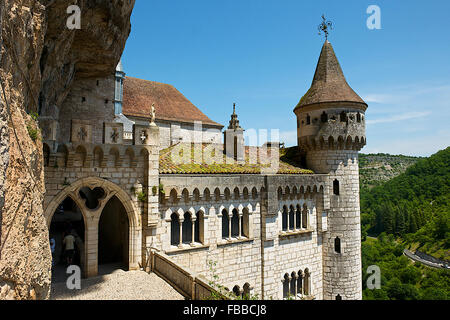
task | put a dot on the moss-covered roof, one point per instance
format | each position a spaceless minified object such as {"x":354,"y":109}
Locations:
{"x":196,"y":164}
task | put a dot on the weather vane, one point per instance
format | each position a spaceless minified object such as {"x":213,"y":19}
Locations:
{"x":325,"y":26}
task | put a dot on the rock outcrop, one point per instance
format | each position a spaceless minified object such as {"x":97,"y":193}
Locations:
{"x":41,"y":59}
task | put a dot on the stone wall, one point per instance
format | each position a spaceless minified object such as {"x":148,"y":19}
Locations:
{"x":172,"y":132}
{"x":252,"y":259}
{"x":92,"y":100}
{"x":342,"y":271}
{"x":124,"y":174}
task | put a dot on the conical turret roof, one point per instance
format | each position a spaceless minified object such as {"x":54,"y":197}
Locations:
{"x":329,"y":84}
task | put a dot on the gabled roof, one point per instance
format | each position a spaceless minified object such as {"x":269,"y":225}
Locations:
{"x":170,"y":104}
{"x":329,"y":83}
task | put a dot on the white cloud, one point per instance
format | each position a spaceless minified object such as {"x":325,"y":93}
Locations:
{"x":399,"y":117}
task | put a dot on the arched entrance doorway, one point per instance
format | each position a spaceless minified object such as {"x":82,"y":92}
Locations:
{"x":113,"y":236}
{"x":99,"y":198}
{"x":67,"y":219}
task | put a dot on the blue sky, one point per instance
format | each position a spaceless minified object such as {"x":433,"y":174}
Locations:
{"x":262,"y":55}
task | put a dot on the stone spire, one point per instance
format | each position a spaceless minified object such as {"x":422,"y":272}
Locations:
{"x":234,"y":122}
{"x":329,"y":84}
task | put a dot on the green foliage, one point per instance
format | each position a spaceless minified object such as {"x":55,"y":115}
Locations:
{"x":414,"y":205}
{"x":33,"y":131}
{"x":401,"y":279}
{"x":161,"y":189}
{"x":142,"y":196}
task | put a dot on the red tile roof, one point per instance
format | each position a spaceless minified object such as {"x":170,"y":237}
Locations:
{"x":170,"y":104}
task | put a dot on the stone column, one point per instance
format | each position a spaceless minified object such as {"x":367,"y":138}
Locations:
{"x":240,"y":224}
{"x":181,"y":232}
{"x":229,"y":225}
{"x":193,"y":219}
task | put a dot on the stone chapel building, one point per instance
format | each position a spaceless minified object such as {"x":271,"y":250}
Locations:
{"x":114,"y":179}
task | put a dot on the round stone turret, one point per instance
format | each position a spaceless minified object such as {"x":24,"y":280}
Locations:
{"x":330,"y":116}
{"x":331,"y":131}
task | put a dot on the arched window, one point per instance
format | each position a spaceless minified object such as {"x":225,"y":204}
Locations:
{"x":254,"y":193}
{"x":286,"y":286}
{"x":237,"y":291}
{"x":236,"y":193}
{"x":196,"y":194}
{"x":324,"y":117}
{"x":185,"y":195}
{"x":225,"y":224}
{"x":174,"y":230}
{"x":338,"y":297}
{"x":227,"y":194}
{"x":358,"y":117}
{"x":343,"y":116}
{"x":235,"y":224}
{"x":187,"y":228}
{"x":245,"y":193}
{"x":298,"y":217}
{"x":246,"y":291}
{"x":198,"y":228}
{"x":337,"y":245}
{"x":207,"y":195}
{"x":300,"y":284}
{"x":217,"y":194}
{"x":293,"y":285}
{"x":284,"y":219}
{"x":305,"y":217}
{"x":308,"y":119}
{"x":173,"y":196}
{"x":336,"y":187}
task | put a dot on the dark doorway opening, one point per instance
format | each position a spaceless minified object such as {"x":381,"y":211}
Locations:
{"x":66,"y":220}
{"x":113,"y":235}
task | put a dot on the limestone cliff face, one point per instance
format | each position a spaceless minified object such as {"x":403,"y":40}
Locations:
{"x":40,"y":61}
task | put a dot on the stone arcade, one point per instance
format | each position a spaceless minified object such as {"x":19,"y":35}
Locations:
{"x":295,"y":233}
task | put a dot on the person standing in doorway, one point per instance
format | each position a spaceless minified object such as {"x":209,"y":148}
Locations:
{"x":69,"y":248}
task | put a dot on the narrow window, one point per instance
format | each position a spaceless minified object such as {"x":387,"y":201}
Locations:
{"x":187,"y":228}
{"x":337,"y":245}
{"x":286,"y":286}
{"x":235,"y":224}
{"x":174,"y":230}
{"x":284,"y":219}
{"x":324,"y":117}
{"x":83,"y":99}
{"x":225,"y":224}
{"x":292,"y":289}
{"x":343,"y":117}
{"x":291,"y":218}
{"x":338,"y":297}
{"x":237,"y":291}
{"x":308,"y":120}
{"x":358,"y":117}
{"x":300,"y":284}
{"x":336,"y":187}
{"x":98,"y":82}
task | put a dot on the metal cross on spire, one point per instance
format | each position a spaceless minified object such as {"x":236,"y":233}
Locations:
{"x":325,"y":26}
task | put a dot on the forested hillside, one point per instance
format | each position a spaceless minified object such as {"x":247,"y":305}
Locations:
{"x":411,"y":211}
